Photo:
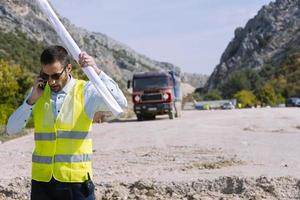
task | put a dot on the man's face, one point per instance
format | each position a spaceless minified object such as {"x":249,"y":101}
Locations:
{"x":56,"y":74}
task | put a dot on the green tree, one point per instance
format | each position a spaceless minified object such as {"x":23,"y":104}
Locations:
{"x":212,"y":95}
{"x":9,"y":87}
{"x":236,"y":81}
{"x":5,"y":112}
{"x":290,"y":70}
{"x":247,"y":79}
{"x":279,"y":84}
{"x":15,"y":82}
{"x":255,"y":79}
{"x":17,"y":47}
{"x":266,"y":95}
{"x":246,"y":98}
{"x":285,"y":78}
{"x":196,"y":96}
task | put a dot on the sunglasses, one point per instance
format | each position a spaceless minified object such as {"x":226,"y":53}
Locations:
{"x":55,"y":76}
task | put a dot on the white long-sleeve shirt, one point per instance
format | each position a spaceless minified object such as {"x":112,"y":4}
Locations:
{"x":93,"y":102}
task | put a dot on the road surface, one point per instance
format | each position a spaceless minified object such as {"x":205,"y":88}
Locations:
{"x":200,"y":145}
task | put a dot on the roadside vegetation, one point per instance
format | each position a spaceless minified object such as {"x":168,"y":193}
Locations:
{"x":15,"y":82}
{"x":269,"y":86}
{"x":19,"y":63}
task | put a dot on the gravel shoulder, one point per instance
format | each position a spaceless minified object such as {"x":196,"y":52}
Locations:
{"x":234,"y":154}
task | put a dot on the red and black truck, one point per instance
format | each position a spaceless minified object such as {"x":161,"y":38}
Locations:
{"x":156,"y":93}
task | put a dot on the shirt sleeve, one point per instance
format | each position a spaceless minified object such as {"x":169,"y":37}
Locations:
{"x":18,"y":120}
{"x":93,"y":100}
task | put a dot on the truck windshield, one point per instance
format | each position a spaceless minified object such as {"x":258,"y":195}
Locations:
{"x":150,"y":83}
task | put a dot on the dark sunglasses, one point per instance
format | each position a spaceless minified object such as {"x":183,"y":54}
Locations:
{"x":55,"y":76}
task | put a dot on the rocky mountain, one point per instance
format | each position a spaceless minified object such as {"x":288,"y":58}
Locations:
{"x":267,"y":40}
{"x":115,"y":58}
{"x":194,"y":79}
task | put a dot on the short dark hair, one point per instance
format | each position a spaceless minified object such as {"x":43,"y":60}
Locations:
{"x":53,"y":54}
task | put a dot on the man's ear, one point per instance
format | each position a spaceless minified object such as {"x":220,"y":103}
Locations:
{"x":69,"y":68}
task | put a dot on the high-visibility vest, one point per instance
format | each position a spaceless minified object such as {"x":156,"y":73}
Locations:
{"x":63,"y":146}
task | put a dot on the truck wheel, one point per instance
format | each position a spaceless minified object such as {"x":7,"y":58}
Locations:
{"x":139,"y":117}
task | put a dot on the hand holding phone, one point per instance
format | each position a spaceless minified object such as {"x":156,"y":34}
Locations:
{"x":37,"y":90}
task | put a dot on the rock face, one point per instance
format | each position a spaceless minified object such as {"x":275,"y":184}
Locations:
{"x":195,"y":80}
{"x":268,"y":38}
{"x":117,"y":59}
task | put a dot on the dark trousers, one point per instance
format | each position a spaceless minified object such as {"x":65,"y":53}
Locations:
{"x":55,"y":190}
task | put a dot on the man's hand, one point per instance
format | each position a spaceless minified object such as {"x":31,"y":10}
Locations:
{"x":87,"y":60}
{"x":37,"y":90}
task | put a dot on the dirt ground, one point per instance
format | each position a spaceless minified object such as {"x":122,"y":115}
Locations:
{"x":217,"y":154}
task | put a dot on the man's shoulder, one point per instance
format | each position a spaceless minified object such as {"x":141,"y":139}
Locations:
{"x":83,"y":83}
{"x":80,"y":81}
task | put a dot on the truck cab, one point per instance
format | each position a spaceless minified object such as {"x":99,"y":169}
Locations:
{"x":156,"y":93}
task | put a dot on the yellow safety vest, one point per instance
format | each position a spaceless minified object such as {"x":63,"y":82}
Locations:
{"x":63,"y":146}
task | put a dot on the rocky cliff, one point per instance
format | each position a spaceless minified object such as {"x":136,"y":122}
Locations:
{"x":115,"y":58}
{"x":267,"y":39}
{"x":194,"y":79}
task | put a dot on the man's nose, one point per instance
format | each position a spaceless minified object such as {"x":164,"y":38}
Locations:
{"x":51,"y":81}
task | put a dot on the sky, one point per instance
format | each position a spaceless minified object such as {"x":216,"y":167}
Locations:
{"x":191,"y":34}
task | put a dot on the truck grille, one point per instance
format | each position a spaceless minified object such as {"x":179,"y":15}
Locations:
{"x":151,"y":97}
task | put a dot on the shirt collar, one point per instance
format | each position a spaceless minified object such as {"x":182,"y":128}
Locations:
{"x":70,"y":84}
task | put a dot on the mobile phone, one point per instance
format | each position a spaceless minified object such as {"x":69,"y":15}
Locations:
{"x":42,"y":84}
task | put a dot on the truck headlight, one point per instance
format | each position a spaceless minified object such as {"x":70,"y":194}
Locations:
{"x":167,"y":97}
{"x":136,"y":98}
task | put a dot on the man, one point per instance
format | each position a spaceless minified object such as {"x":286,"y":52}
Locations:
{"x":62,"y":109}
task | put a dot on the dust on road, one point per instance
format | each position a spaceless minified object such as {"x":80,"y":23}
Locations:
{"x":242,"y":151}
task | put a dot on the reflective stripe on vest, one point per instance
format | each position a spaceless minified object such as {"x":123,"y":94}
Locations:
{"x":62,"y":158}
{"x":44,"y":136}
{"x":73,"y":134}
{"x":73,"y":158}
{"x":42,"y":159}
{"x":62,"y":134}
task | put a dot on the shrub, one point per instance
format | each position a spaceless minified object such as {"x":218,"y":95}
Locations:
{"x":5,"y":111}
{"x":246,"y":98}
{"x":212,"y":95}
{"x":15,"y":82}
{"x":240,"y":80}
{"x":266,"y":95}
{"x":16,"y":47}
{"x":285,"y":78}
